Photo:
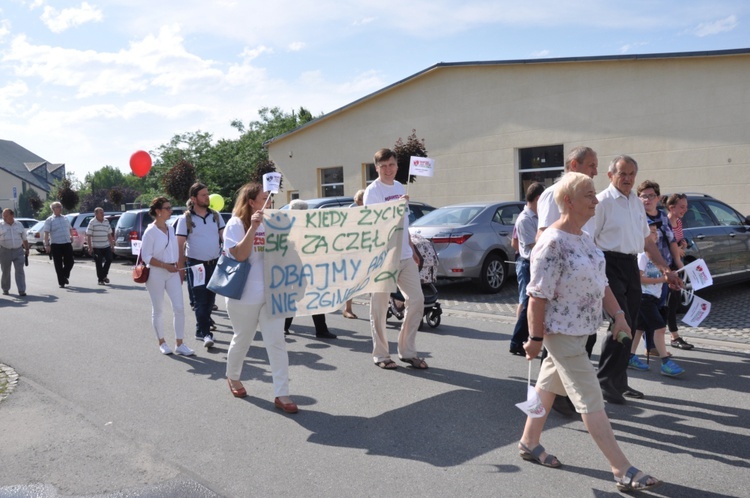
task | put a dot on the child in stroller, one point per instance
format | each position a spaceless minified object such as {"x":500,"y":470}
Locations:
{"x":428,"y":263}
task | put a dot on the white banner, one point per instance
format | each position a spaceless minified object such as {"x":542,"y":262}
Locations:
{"x":698,"y":275}
{"x":421,"y":166}
{"x":698,"y":312}
{"x":315,"y":260}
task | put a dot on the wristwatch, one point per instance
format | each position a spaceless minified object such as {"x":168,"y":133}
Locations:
{"x":536,"y":339}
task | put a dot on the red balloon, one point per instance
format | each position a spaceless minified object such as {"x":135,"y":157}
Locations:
{"x":140,"y":163}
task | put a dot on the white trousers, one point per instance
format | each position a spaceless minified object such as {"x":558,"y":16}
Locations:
{"x":408,"y":282}
{"x":160,"y":280}
{"x":245,"y":320}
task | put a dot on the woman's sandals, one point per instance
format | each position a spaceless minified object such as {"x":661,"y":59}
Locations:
{"x":535,"y":454}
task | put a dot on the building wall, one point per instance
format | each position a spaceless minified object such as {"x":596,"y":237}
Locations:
{"x":686,"y":120}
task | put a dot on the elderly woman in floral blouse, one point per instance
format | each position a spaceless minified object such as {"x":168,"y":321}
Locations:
{"x":567,"y":290}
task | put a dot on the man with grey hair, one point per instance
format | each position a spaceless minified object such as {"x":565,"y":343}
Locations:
{"x":58,"y":243}
{"x":581,"y":159}
{"x":621,"y":231}
{"x":101,"y":242}
{"x":14,"y":250}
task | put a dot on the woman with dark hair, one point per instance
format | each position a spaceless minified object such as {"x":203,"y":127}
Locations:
{"x":244,"y":239}
{"x":159,"y":251}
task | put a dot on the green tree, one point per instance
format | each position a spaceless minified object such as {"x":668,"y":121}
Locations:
{"x":66,"y":195}
{"x":105,"y":178}
{"x":29,"y":204}
{"x":414,"y":147}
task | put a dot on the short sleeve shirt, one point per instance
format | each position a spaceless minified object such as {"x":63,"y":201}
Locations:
{"x":99,"y":232}
{"x":569,"y":272}
{"x":58,"y":228}
{"x":621,"y":224}
{"x":378,"y":192}
{"x":203,"y":243}
{"x":548,"y":211}
{"x":649,"y":270}
{"x":254,"y":292}
{"x":12,"y":236}
{"x":525,"y":230}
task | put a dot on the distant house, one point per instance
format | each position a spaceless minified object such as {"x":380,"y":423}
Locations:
{"x":21,"y":169}
{"x":493,"y":127}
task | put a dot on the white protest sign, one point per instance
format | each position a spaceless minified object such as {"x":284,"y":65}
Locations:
{"x":533,"y":405}
{"x":199,"y":275}
{"x":698,"y":312}
{"x":315,"y":260}
{"x":271,"y":182}
{"x":698,"y":275}
{"x":421,"y":166}
{"x":135,"y":247}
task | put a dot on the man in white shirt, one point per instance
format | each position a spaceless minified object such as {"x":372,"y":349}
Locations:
{"x":101,"y":242}
{"x":580,"y":159}
{"x":621,"y":232}
{"x":14,"y":250}
{"x":386,"y":189}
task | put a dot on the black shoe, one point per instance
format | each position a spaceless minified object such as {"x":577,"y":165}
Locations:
{"x":214,"y":308}
{"x":681,"y":343}
{"x":611,"y":394}
{"x":517,"y":351}
{"x":101,"y":282}
{"x":563,"y":406}
{"x":286,"y":332}
{"x":106,"y":280}
{"x":632,"y":393}
{"x":67,"y":281}
{"x":326,"y":335}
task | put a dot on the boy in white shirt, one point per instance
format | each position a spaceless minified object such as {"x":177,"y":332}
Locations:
{"x":651,"y":316}
{"x":386,"y":188}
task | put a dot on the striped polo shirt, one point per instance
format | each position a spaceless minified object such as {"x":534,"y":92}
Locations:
{"x":99,"y":232}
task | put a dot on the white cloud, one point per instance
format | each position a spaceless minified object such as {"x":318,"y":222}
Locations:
{"x":629,"y":47}
{"x":60,"y":20}
{"x":364,"y":20}
{"x":9,"y":95}
{"x":4,"y":28}
{"x":716,"y":27}
{"x":296,"y":46}
{"x":253,"y":53}
{"x":540,"y":54}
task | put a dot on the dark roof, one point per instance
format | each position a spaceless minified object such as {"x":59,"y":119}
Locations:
{"x":440,"y":65}
{"x":24,"y":164}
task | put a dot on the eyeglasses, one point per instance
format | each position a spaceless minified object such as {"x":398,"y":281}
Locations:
{"x":649,"y":197}
{"x":168,"y":208}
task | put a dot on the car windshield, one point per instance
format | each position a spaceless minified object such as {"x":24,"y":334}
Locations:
{"x":451,"y":215}
{"x":37,"y":226}
{"x":127,"y":220}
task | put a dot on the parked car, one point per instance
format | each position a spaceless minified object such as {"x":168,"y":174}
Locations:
{"x":131,"y":226}
{"x":27,"y":222}
{"x":112,"y":219}
{"x":720,"y":235}
{"x":35,"y":236}
{"x":326,"y":202}
{"x":472,"y":240}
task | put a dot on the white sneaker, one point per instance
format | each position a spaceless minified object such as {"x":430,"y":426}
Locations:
{"x":164,"y":348}
{"x":208,"y":341}
{"x":184,"y":350}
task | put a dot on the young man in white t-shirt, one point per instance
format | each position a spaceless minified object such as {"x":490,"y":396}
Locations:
{"x":386,"y":189}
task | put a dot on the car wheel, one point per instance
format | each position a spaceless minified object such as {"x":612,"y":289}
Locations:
{"x":686,"y":296}
{"x":494,"y":273}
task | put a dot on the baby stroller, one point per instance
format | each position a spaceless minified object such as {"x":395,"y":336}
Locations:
{"x":428,"y":263}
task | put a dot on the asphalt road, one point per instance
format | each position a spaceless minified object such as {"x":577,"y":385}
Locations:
{"x":98,"y":411}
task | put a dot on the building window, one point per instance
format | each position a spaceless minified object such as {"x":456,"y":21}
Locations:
{"x":291,"y":195}
{"x":542,"y":164}
{"x":369,"y":173}
{"x":332,"y":181}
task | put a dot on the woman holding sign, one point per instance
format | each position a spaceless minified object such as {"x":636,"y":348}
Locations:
{"x":567,"y":291}
{"x":244,"y":239}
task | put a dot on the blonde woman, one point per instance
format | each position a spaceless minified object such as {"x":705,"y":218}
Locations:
{"x":244,"y":239}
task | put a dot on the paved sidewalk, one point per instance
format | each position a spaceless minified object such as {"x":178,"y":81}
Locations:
{"x":729,"y":319}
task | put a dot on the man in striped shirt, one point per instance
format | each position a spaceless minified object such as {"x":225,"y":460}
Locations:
{"x":100,"y":241}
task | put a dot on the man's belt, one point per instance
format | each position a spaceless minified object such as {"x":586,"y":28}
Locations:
{"x":620,"y":255}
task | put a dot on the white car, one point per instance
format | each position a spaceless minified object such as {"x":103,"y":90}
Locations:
{"x":35,"y":236}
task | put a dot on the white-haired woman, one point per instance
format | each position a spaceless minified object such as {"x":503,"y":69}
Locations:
{"x":567,"y":290}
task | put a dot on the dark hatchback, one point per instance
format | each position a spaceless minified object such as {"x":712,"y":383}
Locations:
{"x":131,"y":226}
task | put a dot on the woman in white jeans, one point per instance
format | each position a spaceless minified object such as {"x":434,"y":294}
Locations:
{"x":159,"y":251}
{"x":245,"y":237}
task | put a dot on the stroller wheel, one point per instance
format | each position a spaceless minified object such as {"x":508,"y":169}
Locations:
{"x":433,"y":320}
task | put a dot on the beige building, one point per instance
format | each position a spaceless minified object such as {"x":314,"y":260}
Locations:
{"x":493,"y":127}
{"x":21,"y":170}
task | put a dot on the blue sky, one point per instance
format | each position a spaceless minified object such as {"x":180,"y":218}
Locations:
{"x":89,"y":83}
